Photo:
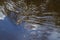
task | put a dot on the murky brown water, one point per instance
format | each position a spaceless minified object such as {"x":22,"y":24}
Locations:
{"x":52,"y":9}
{"x":52,"y":6}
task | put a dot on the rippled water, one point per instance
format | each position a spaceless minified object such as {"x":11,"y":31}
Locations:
{"x":42,"y":22}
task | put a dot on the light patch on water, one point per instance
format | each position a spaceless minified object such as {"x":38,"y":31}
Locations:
{"x":30,"y":26}
{"x":54,"y":36}
{"x":2,"y":16}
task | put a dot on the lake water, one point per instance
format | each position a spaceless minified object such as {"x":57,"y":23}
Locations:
{"x":47,"y":26}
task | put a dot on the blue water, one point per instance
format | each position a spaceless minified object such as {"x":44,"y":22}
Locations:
{"x":10,"y":31}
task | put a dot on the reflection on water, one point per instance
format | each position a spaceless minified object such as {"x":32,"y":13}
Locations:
{"x":2,"y":16}
{"x":42,"y":22}
{"x":32,"y":12}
